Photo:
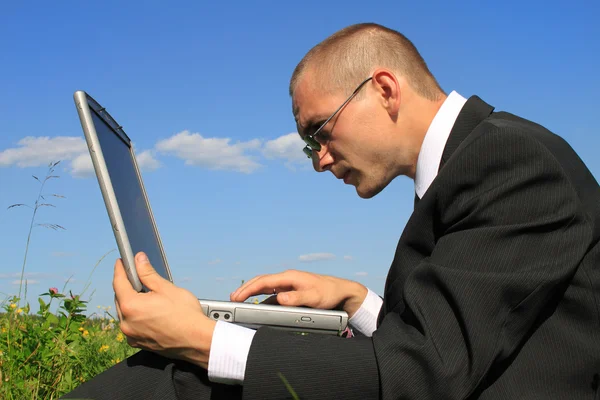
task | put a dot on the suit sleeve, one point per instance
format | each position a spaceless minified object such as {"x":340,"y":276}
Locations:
{"x":509,"y":235}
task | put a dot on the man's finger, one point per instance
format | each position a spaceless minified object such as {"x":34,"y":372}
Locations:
{"x":118,"y":308}
{"x":297,"y":298}
{"x":265,"y":285}
{"x":121,"y":284}
{"x":244,"y":286}
{"x":293,"y":298}
{"x":146,"y":272}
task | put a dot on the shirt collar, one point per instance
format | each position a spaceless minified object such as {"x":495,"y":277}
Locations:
{"x":428,"y":162}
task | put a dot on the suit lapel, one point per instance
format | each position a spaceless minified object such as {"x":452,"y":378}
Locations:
{"x":410,"y":251}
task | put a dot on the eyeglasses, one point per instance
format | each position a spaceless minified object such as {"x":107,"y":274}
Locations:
{"x":313,"y":144}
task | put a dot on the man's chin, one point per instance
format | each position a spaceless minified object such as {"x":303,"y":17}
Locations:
{"x":367,"y":192}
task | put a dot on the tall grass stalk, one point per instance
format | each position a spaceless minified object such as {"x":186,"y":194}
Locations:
{"x":37,"y":205}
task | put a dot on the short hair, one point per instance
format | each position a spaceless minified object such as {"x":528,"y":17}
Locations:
{"x":344,"y":59}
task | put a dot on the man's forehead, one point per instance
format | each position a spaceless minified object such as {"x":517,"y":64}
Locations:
{"x":306,"y":119}
{"x":300,"y":108}
{"x":309,"y":106}
{"x":300,"y":99}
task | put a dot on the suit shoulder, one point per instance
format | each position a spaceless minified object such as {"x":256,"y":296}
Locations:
{"x":510,"y":124}
{"x":508,"y":134}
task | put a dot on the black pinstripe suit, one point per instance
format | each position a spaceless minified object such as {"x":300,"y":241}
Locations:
{"x":494,"y":291}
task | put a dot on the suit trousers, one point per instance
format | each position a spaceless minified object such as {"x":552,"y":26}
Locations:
{"x":149,"y":376}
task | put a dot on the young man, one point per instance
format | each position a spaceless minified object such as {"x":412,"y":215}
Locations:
{"x":494,"y":291}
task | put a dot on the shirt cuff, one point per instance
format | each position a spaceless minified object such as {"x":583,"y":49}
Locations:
{"x":229,"y":353}
{"x":365,"y":319}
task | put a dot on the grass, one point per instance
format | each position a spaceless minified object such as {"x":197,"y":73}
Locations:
{"x":47,"y":354}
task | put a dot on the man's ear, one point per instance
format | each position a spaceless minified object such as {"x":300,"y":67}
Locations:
{"x":388,"y":88}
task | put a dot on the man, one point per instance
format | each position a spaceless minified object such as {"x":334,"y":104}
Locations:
{"x":494,"y":291}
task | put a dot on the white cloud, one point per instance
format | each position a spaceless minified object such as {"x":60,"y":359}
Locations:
{"x":213,"y":153}
{"x":287,"y":147}
{"x":26,"y":282}
{"x":219,"y":279}
{"x":362,"y":273}
{"x":41,"y":150}
{"x":215,"y":261}
{"x":193,"y":148}
{"x":146,"y":161}
{"x":82,"y":167}
{"x":348,"y":258}
{"x":312,"y":257}
{"x":26,"y":275}
{"x":37,"y":151}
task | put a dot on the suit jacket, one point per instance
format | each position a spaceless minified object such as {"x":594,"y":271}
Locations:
{"x":494,"y":291}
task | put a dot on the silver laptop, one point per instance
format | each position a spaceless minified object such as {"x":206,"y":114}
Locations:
{"x":135,"y":229}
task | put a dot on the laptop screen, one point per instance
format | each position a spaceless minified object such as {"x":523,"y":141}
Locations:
{"x":130,"y":197}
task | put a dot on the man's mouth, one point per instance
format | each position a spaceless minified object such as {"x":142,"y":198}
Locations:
{"x":346,"y":177}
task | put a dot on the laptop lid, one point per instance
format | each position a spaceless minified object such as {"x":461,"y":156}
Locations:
{"x":122,"y":188}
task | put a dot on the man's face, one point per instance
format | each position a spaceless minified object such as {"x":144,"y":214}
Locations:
{"x":356,"y":145}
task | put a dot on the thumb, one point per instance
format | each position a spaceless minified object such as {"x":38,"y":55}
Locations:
{"x":146,"y":272}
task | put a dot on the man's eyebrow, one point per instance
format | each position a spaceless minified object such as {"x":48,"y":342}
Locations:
{"x":313,"y":124}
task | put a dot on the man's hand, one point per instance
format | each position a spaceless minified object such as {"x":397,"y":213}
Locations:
{"x":168,"y":320}
{"x":297,"y":288}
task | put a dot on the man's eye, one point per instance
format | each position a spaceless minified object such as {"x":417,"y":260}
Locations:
{"x":322,"y":137}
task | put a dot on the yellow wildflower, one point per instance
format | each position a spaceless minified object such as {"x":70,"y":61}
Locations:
{"x":120,"y":337}
{"x":3,"y":330}
{"x":104,"y":348}
{"x":13,"y":305}
{"x":112,"y":321}
{"x":80,"y":328}
{"x":85,"y":333}
{"x":116,"y":361}
{"x":19,"y":311}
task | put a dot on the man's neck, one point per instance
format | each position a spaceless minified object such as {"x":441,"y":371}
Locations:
{"x":422,"y":112}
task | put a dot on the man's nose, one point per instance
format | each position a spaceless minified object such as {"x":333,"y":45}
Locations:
{"x":322,"y":159}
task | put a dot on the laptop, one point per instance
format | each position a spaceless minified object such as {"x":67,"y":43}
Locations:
{"x":135,"y":228}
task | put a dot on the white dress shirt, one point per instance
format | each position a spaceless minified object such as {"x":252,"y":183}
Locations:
{"x":231,"y":343}
{"x":435,"y":140}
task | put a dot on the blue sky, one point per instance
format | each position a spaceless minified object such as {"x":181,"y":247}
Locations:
{"x":202,"y":90}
